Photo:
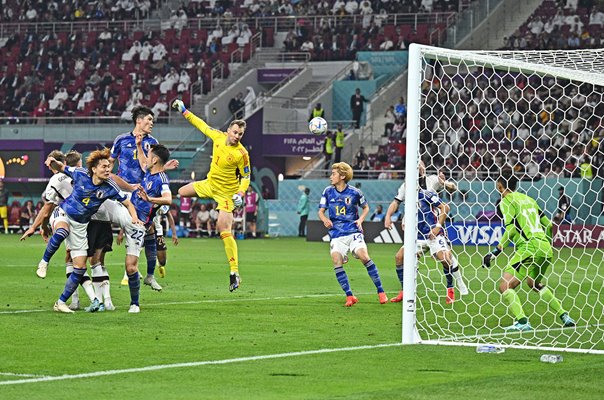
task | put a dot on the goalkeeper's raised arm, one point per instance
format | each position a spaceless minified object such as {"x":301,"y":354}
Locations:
{"x":197,"y":122}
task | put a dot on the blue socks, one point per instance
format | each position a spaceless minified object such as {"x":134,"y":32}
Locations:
{"x":374,"y":275}
{"x":54,"y":243}
{"x":399,"y":273}
{"x":134,"y":284}
{"x":72,"y":283}
{"x":343,"y":280}
{"x":449,"y":275}
{"x":150,"y":253}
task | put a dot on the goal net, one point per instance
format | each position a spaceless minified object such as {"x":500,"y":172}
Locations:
{"x":471,"y":115}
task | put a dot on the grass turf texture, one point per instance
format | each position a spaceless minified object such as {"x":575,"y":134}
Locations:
{"x":289,"y":301}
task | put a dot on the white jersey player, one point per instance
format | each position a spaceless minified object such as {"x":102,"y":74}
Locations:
{"x":432,"y":183}
{"x":59,"y":187}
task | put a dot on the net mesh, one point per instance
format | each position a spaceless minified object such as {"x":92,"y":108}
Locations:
{"x":541,"y":115}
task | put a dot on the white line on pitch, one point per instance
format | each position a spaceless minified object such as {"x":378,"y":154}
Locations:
{"x":194,"y":364}
{"x":486,"y":335}
{"x":22,"y":375}
{"x":308,"y":296}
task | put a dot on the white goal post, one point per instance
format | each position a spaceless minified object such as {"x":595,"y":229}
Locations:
{"x":541,"y":114}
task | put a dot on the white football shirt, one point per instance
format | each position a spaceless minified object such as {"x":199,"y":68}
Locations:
{"x":433,"y":184}
{"x":58,"y":189}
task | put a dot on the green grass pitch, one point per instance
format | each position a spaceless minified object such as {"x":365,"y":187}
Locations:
{"x":283,"y":335}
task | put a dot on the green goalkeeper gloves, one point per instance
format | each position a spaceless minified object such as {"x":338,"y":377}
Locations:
{"x":179,"y":105}
{"x":486,"y":261}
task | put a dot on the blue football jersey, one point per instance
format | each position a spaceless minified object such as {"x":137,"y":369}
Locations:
{"x":87,"y":197}
{"x":155,"y":185}
{"x":124,"y":150}
{"x":427,"y":212}
{"x":343,"y":209}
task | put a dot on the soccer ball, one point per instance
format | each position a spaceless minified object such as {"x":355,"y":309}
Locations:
{"x":317,"y":126}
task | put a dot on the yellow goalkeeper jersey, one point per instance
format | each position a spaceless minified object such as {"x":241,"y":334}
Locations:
{"x":230,"y":169}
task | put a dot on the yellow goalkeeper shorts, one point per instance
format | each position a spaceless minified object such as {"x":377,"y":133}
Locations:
{"x":205,"y":189}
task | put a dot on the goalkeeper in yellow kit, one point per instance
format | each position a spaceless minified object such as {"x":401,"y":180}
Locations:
{"x":226,"y":183}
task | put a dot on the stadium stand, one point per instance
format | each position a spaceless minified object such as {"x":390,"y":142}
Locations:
{"x":560,"y":25}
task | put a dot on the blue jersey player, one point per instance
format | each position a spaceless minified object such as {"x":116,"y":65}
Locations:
{"x":431,"y":216}
{"x":124,"y":148}
{"x":346,"y":228}
{"x":128,"y":155}
{"x":147,"y":198}
{"x":91,"y":188}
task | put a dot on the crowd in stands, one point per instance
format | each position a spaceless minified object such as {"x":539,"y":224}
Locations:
{"x":69,"y":11}
{"x":561,"y":25}
{"x":21,"y":215}
{"x":475,"y":124}
{"x":107,"y":73}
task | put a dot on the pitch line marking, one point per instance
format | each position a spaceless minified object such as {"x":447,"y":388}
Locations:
{"x":307,"y":296}
{"x":194,"y":364}
{"x":22,"y":375}
{"x":499,"y":334}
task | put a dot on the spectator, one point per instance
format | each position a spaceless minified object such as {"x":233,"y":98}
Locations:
{"x":169,"y":81}
{"x":356,"y":107}
{"x":86,"y":98}
{"x":160,"y":107}
{"x":387,"y":44}
{"x":183,"y":82}
{"x":586,"y":169}
{"x":378,"y":215}
{"x":231,"y":36}
{"x":186,"y":206}
{"x":202,"y":221}
{"x":244,"y":36}
{"x":145,"y":51}
{"x":328,"y":150}
{"x":562,"y":214}
{"x":361,"y":156}
{"x":4,"y":206}
{"x":318,"y":111}
{"x":251,"y":210}
{"x":26,"y":215}
{"x":390,"y":119}
{"x":398,"y":130}
{"x":308,"y":46}
{"x":367,"y":12}
{"x":250,"y":101}
{"x":213,"y":219}
{"x":339,"y":140}
{"x":400,"y":109}
{"x":303,"y":209}
{"x":351,"y":7}
{"x":236,"y":106}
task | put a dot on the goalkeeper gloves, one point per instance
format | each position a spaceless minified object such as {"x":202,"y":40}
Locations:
{"x":237,"y":200}
{"x":179,"y":105}
{"x":486,"y":261}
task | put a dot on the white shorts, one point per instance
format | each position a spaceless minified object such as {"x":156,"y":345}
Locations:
{"x":344,"y":244}
{"x":77,"y":240}
{"x":133,"y":233}
{"x":435,"y":245}
{"x":159,"y":229}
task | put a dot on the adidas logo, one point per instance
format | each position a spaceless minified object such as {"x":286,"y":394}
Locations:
{"x":388,"y":236}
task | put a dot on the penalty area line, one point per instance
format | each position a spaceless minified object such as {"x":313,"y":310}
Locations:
{"x":195,"y":364}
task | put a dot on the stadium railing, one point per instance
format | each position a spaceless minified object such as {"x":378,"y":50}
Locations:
{"x":278,"y":24}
